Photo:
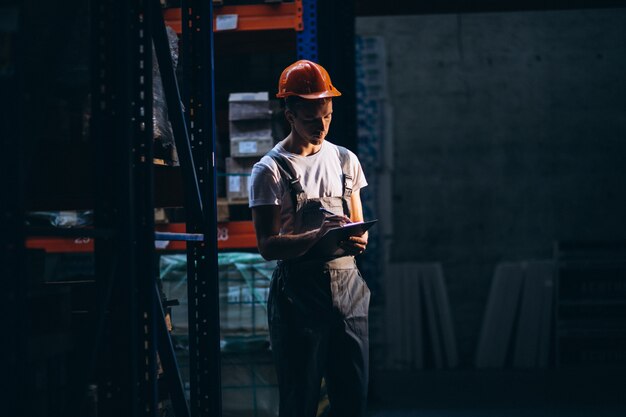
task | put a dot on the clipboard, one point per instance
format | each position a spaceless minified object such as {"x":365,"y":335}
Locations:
{"x":328,"y":245}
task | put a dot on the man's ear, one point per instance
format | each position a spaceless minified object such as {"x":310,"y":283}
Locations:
{"x":290,"y":116}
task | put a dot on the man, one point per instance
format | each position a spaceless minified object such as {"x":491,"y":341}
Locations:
{"x":317,"y":308}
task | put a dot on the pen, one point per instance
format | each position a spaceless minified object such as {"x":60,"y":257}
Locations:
{"x":326,"y":211}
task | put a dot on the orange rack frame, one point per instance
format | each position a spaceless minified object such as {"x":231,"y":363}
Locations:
{"x":250,"y":17}
{"x":231,"y":235}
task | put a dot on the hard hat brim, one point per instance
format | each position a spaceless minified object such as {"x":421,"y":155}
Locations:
{"x":312,"y":96}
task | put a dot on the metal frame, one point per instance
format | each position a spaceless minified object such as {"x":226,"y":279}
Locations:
{"x":142,"y":195}
{"x":12,"y":235}
{"x":307,"y":38}
{"x":128,"y":320}
{"x":251,"y":17}
{"x":203,"y":295}
{"x":122,"y":131}
{"x":168,"y":359}
{"x":123,"y":96}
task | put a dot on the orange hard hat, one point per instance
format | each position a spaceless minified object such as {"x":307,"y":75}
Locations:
{"x":306,"y":79}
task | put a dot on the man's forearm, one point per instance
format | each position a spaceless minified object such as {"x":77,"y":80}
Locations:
{"x":288,"y":246}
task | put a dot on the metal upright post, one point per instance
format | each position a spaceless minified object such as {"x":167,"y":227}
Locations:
{"x":307,"y":38}
{"x":125,"y":270}
{"x":107,"y":137}
{"x":12,"y":252}
{"x":204,"y":330}
{"x":142,"y":195}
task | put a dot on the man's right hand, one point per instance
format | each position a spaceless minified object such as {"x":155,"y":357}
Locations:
{"x":332,"y":222}
{"x":273,"y":245}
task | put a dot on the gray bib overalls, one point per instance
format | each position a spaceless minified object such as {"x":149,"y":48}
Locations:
{"x":317,"y":311}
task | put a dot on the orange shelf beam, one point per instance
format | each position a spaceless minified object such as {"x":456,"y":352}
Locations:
{"x":61,"y":244}
{"x":250,"y":17}
{"x":230,"y":235}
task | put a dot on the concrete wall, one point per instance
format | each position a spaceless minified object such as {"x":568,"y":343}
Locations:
{"x":509,"y":134}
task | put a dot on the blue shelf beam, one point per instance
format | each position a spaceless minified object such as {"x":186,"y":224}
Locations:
{"x":307,"y":38}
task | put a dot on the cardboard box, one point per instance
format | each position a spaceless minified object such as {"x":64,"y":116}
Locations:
{"x":160,"y":216}
{"x":250,"y":129}
{"x":223,"y":212}
{"x":238,"y":172}
{"x":250,"y":138}
{"x":247,"y":106}
{"x":250,"y":147}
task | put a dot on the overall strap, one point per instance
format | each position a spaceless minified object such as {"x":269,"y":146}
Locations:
{"x":289,"y":175}
{"x":344,"y":157}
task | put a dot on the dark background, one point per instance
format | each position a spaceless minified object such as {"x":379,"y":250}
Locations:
{"x":509,"y":136}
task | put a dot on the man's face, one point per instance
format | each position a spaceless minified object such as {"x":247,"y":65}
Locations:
{"x":311,"y":120}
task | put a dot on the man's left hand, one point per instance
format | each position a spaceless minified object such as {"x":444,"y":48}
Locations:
{"x":355,"y":245}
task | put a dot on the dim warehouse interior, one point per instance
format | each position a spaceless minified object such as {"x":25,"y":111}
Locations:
{"x":492,"y":135}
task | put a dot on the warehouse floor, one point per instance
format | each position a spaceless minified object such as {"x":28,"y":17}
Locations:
{"x":560,"y":412}
{"x":470,"y":393}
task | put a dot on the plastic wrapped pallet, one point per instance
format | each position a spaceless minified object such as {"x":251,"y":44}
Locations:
{"x":61,"y":219}
{"x":162,"y":128}
{"x":249,"y":382}
{"x":244,"y":288}
{"x":243,"y":284}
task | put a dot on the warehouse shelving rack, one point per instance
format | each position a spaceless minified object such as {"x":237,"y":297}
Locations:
{"x":230,"y":236}
{"x":253,"y":17}
{"x":130,"y":328}
{"x":121,"y":62}
{"x":12,"y":233}
{"x":129,"y":321}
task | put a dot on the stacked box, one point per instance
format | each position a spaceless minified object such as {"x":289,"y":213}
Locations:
{"x":249,"y":106}
{"x":250,"y":124}
{"x":250,"y":138}
{"x":238,"y":172}
{"x":223,"y":211}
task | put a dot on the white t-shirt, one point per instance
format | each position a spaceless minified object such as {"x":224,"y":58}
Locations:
{"x":320,"y":176}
